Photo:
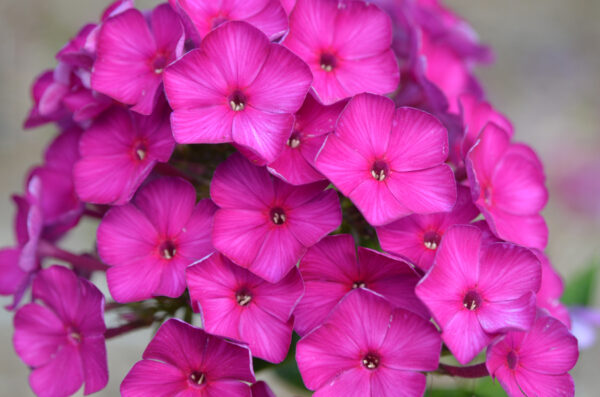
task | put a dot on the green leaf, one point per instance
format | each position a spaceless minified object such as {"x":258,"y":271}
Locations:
{"x":579,"y":290}
{"x":486,"y":387}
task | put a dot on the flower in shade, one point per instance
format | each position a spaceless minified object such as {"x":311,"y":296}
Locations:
{"x":313,"y":122}
{"x":239,"y":305}
{"x":346,"y":45}
{"x":61,"y":335}
{"x":261,"y":389}
{"x":183,"y":360}
{"x":149,"y":242}
{"x":366,"y":347}
{"x":118,"y":152}
{"x":13,"y":279}
{"x":264,"y":224}
{"x":417,"y":237}
{"x":507,"y":185}
{"x":535,"y":363}
{"x":332,"y":268}
{"x":266,"y":15}
{"x":132,"y":54}
{"x":237,"y":87}
{"x":475,"y":290}
{"x":551,"y":289}
{"x":388,"y":161}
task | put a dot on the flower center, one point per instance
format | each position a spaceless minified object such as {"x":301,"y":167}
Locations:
{"x":472,"y":300}
{"x":197,"y":378}
{"x":159,"y":64}
{"x":358,"y":284}
{"x":487,"y":195}
{"x":140,"y":151}
{"x":243,"y":297}
{"x":294,"y":140}
{"x":167,"y":250}
{"x":512,"y":359}
{"x":277,"y":216}
{"x":237,"y":101}
{"x":370,"y":361}
{"x":74,"y":337}
{"x":380,"y":170}
{"x":327,"y":62}
{"x":431,"y":240}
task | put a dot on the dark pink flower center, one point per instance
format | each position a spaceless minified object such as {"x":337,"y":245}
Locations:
{"x":327,"y":61}
{"x":277,"y":216}
{"x":243,"y":297}
{"x":159,"y":64}
{"x":197,"y":378}
{"x":167,"y":250}
{"x":379,"y":170}
{"x":512,"y":359}
{"x":472,"y":300}
{"x":431,"y":240}
{"x":294,"y":140}
{"x":218,"y":20}
{"x":358,"y":284}
{"x":237,"y":101}
{"x":74,"y":337}
{"x":140,"y":150}
{"x":370,"y":361}
{"x":487,"y":195}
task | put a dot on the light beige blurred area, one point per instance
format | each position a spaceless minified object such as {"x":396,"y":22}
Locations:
{"x":546,"y":78}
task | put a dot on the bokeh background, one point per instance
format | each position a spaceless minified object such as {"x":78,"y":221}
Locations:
{"x":546,"y":78}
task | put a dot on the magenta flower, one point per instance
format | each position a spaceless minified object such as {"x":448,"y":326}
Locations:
{"x":264,"y":224}
{"x":474,"y":290}
{"x":261,"y":389}
{"x":417,"y":237}
{"x":388,"y":161}
{"x":535,"y":363}
{"x":368,"y":348}
{"x":132,"y":54}
{"x":118,"y":152}
{"x":62,"y":340}
{"x":12,"y":277}
{"x":183,"y":360}
{"x":312,"y":125}
{"x":150,"y":241}
{"x":47,"y":95}
{"x":507,"y":184}
{"x":331,"y":269}
{"x":266,"y":15}
{"x":551,"y":289}
{"x":238,"y":88}
{"x":239,"y":305}
{"x":347,"y":47}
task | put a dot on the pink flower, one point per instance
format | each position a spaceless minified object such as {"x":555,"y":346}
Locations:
{"x":46,"y":95}
{"x":312,"y":125}
{"x":331,"y":269}
{"x":118,"y":152}
{"x":417,"y":237}
{"x":507,"y":185}
{"x":132,"y":54}
{"x":261,"y":389}
{"x":237,"y":88}
{"x":475,"y":290}
{"x":150,"y":241}
{"x":368,"y":348}
{"x":183,"y":360}
{"x":264,"y":224}
{"x":239,"y":305}
{"x":266,"y":15}
{"x":388,"y":161}
{"x":62,"y":340}
{"x":12,"y":277}
{"x":347,"y":46}
{"x":535,"y":363}
{"x":551,"y":289}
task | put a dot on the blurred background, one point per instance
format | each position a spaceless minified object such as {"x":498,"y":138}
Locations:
{"x":546,"y":78}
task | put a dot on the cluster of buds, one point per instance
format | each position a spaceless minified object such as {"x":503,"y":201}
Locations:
{"x":328,"y":168}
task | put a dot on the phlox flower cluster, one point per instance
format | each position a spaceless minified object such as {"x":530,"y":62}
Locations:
{"x":322,"y":178}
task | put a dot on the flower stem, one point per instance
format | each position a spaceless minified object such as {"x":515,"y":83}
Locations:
{"x":472,"y":371}
{"x":125,"y":328}
{"x":79,"y":261}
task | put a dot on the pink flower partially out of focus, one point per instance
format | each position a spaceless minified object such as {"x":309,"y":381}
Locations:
{"x":332,"y":268}
{"x":266,"y":15}
{"x":239,"y":305}
{"x":347,"y":46}
{"x":312,"y":124}
{"x":261,"y":389}
{"x":264,"y":224}
{"x":551,"y":289}
{"x":62,"y":340}
{"x":474,"y":290}
{"x":132,"y":54}
{"x":183,"y":360}
{"x":237,"y":87}
{"x":535,"y":363}
{"x":507,"y":185}
{"x":417,"y":237}
{"x":150,"y":241}
{"x":388,"y":161}
{"x":118,"y":152}
{"x":366,"y":347}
